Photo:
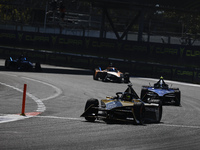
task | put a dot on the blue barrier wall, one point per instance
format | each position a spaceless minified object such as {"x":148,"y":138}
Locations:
{"x":135,"y":68}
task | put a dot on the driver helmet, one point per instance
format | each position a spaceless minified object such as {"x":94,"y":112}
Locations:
{"x":21,"y":57}
{"x":128,"y":97}
{"x":161,"y":82}
{"x":110,"y":65}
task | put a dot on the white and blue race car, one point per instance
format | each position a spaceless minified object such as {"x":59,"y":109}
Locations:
{"x":111,"y":74}
{"x":161,"y":91}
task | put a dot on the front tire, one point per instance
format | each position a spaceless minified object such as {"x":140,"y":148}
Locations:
{"x":7,"y":64}
{"x":95,"y":77}
{"x":143,"y":95}
{"x":92,"y":111}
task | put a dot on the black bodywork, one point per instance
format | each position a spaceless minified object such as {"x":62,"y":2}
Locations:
{"x":124,"y":107}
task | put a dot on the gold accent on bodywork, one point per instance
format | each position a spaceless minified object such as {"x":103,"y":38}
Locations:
{"x":136,"y":100}
{"x":126,"y":103}
{"x":107,"y":100}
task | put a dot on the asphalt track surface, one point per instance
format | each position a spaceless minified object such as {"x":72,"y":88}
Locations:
{"x":56,"y":98}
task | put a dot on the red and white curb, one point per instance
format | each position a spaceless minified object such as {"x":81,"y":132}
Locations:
{"x":14,"y":117}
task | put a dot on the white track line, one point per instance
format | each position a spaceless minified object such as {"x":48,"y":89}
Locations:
{"x":160,"y":124}
{"x":58,"y":91}
{"x":41,"y":107}
{"x":13,"y":117}
{"x":179,"y":126}
{"x":63,"y":118}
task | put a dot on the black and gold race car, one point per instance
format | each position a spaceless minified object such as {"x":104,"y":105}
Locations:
{"x":124,"y":107}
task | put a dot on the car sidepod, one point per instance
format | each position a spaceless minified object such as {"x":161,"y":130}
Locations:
{"x":112,"y":76}
{"x":170,"y":95}
{"x":122,"y":111}
{"x":26,"y":66}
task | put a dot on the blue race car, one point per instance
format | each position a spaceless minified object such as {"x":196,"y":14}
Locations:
{"x":161,"y":91}
{"x":21,"y":64}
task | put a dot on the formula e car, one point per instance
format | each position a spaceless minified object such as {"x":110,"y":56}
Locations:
{"x":161,"y":91}
{"x":124,"y":107}
{"x":110,"y":74}
{"x":21,"y":64}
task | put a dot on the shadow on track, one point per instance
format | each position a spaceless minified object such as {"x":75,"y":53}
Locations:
{"x":121,"y":123}
{"x":55,"y":70}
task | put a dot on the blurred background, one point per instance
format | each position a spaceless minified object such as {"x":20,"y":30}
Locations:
{"x":138,"y":32}
{"x":174,"y":22}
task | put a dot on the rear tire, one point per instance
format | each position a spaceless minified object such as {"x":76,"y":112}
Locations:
{"x":126,"y":77}
{"x":177,"y":98}
{"x":160,"y":109}
{"x":139,"y":112}
{"x":92,"y":112}
{"x":38,"y":67}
